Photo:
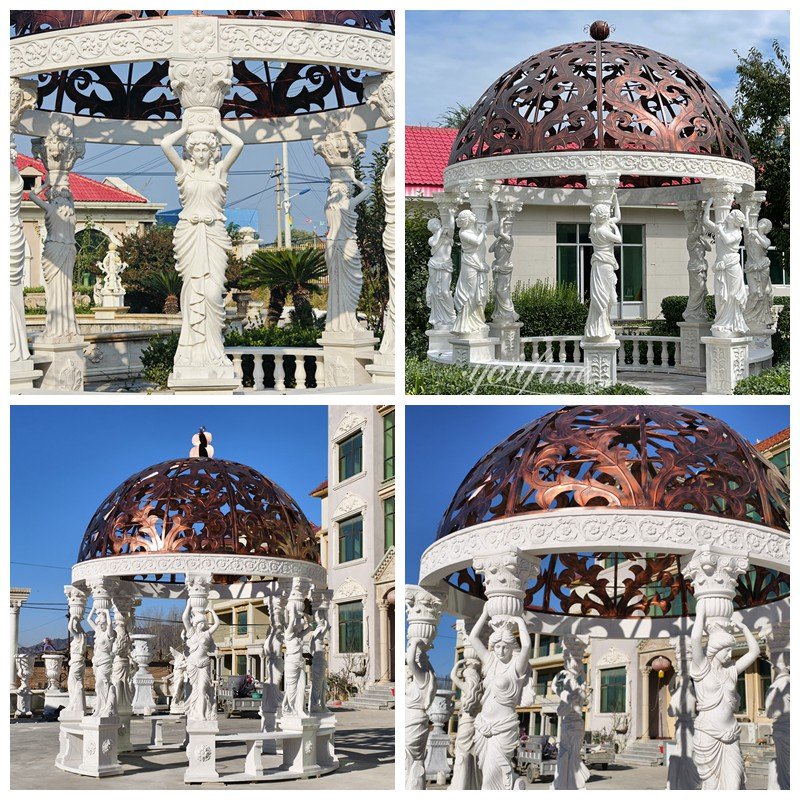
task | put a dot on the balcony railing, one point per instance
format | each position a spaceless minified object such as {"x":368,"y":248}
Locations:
{"x":278,"y":368}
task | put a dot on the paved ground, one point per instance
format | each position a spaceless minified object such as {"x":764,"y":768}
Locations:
{"x":365,"y":744}
{"x":662,"y":382}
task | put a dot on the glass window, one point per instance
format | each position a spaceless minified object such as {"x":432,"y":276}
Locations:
{"x":781,"y":461}
{"x":388,"y":523}
{"x":241,"y":665}
{"x":351,"y":629}
{"x":612,"y":690}
{"x":566,"y":233}
{"x":632,"y":272}
{"x":388,"y":446}
{"x":567,"y":265}
{"x":350,"y":539}
{"x":241,"y":623}
{"x":350,"y":456}
{"x":544,"y":646}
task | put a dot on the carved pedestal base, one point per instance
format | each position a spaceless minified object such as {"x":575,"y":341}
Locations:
{"x":268,"y":725}
{"x":100,"y":747}
{"x":600,"y":362}
{"x":53,"y":700}
{"x":726,"y":363}
{"x":479,"y":348}
{"x":347,"y":356}
{"x":201,"y":750}
{"x":124,"y":734}
{"x":110,"y":312}
{"x":508,"y":334}
{"x":382,"y":368}
{"x":65,"y":367}
{"x":203,"y":380}
{"x":326,"y":750}
{"x":70,"y":744}
{"x":144,"y":701}
{"x":439,"y":344}
{"x":693,"y":353}
{"x":24,"y":375}
{"x":436,"y":766}
{"x":300,"y":754}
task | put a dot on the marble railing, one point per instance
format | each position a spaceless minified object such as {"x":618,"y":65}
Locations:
{"x":552,"y":349}
{"x":652,"y":353}
{"x":278,"y":368}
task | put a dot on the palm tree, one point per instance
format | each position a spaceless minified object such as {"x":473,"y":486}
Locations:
{"x":165,"y":284}
{"x":287,"y":272}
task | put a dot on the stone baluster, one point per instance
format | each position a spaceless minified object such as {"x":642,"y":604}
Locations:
{"x":258,"y":371}
{"x":279,"y":374}
{"x":437,"y":764}
{"x":776,"y":701}
{"x":438,"y":293}
{"x":423,"y":611}
{"x":682,"y":771}
{"x":758,"y":309}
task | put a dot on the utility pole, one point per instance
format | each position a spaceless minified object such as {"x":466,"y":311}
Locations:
{"x":287,"y":219}
{"x":277,"y":176}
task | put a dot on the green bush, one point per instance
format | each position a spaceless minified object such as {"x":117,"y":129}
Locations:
{"x":41,"y":310}
{"x":33,"y":290}
{"x":417,"y":255}
{"x":289,"y":336}
{"x":548,"y":310}
{"x":672,"y":308}
{"x":427,"y":377}
{"x":157,"y":359}
{"x":771,"y":381}
{"x":780,"y":341}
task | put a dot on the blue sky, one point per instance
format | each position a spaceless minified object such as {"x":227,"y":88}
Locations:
{"x":453,"y":56}
{"x":66,"y":459}
{"x":444,"y":442}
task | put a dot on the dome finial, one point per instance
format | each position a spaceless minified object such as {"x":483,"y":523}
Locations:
{"x":202,"y":445}
{"x":600,"y":30}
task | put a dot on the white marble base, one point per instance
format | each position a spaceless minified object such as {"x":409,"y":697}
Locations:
{"x":100,"y":747}
{"x":600,"y":362}
{"x":693,"y":353}
{"x":478,"y":348}
{"x":201,"y":750}
{"x":70,"y":744}
{"x":346,"y":357}
{"x":508,"y":333}
{"x":269,"y":747}
{"x":53,"y":700}
{"x":24,"y":375}
{"x":436,"y":764}
{"x":65,"y":367}
{"x":439,"y":343}
{"x":300,"y":755}
{"x":110,"y":312}
{"x":205,"y":385}
{"x":326,"y":748}
{"x":726,"y":363}
{"x":382,"y":369}
{"x":144,"y":701}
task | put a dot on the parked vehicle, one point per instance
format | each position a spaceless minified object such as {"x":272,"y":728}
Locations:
{"x":535,"y":758}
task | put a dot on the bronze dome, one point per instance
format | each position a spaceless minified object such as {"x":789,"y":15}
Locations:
{"x":200,"y":506}
{"x":663,"y":458}
{"x":600,"y":95}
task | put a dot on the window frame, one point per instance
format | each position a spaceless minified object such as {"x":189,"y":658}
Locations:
{"x":342,"y":457}
{"x":342,"y":627}
{"x":386,"y":517}
{"x":388,"y":433}
{"x":341,"y":539}
{"x":604,"y":687}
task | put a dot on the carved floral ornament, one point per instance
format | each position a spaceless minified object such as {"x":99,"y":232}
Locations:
{"x":348,"y":505}
{"x":349,"y":423}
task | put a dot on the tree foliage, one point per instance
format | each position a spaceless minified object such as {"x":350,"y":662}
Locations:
{"x":146,"y":252}
{"x":454,"y":117}
{"x":92,"y":246}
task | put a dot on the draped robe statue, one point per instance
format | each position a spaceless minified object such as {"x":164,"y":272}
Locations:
{"x":605,"y":235}
{"x":202,"y":701}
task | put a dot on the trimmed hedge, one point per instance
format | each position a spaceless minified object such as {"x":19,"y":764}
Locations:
{"x":780,"y":341}
{"x":672,"y":308}
{"x":548,"y":310}
{"x":771,"y":381}
{"x":427,"y":377}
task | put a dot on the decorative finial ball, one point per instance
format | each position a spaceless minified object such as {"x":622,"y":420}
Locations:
{"x":202,"y":445}
{"x":599,"y":30}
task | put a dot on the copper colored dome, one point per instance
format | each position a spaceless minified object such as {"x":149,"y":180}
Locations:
{"x":600,"y":95}
{"x":199,"y":505}
{"x":663,"y":458}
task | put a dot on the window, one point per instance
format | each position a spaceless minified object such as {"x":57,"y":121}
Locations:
{"x":351,"y":534}
{"x":241,"y":623}
{"x":241,"y":665}
{"x":612,"y":690}
{"x":351,"y":630}
{"x":350,"y":456}
{"x":781,"y":461}
{"x":388,"y":446}
{"x":388,"y":523}
{"x":765,"y":678}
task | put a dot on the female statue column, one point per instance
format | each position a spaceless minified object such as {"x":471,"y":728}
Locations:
{"x":295,"y":631}
{"x":423,"y":611}
{"x":121,"y":674}
{"x":272,"y":697}
{"x":177,"y":681}
{"x":502,"y":268}
{"x":466,"y":677}
{"x":318,"y":701}
{"x":438,"y":295}
{"x":76,"y":601}
{"x":202,"y":702}
{"x":472,"y":288}
{"x":99,"y":620}
{"x":758,"y":310}
{"x":605,"y":235}
{"x":698,"y":246}
{"x":776,"y":702}
{"x":682,"y":771}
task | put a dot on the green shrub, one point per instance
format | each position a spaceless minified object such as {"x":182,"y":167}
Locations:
{"x":157,"y":359}
{"x":427,"y":377}
{"x":41,"y":310}
{"x":771,"y":381}
{"x":417,"y":255}
{"x":672,"y":308}
{"x":548,"y":310}
{"x":33,"y":290}
{"x":780,"y":341}
{"x":289,"y":336}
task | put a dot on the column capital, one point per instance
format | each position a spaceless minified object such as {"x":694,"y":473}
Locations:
{"x":603,"y":186}
{"x":477,"y":193}
{"x":18,"y":597}
{"x":379,"y":93}
{"x":59,"y":150}
{"x":723,"y":193}
{"x":776,"y":636}
{"x":76,"y":598}
{"x":423,"y":612}
{"x":338,"y":149}
{"x":445,"y":201}
{"x":23,"y":98}
{"x":714,"y":572}
{"x":509,"y":205}
{"x":200,"y":81}
{"x":506,"y":573}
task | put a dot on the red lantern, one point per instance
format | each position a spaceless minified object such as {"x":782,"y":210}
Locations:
{"x":661,"y":665}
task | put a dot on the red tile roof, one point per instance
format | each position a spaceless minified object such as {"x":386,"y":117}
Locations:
{"x":323,"y":487}
{"x":770,"y":442}
{"x":85,"y":190}
{"x":427,"y":154}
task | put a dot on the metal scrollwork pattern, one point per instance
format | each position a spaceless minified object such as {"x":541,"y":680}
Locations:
{"x":203,"y":506}
{"x":644,"y":457}
{"x":599,"y":96}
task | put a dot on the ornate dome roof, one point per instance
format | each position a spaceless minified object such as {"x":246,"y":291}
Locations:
{"x":600,"y":95}
{"x":199,"y":505}
{"x":663,"y":458}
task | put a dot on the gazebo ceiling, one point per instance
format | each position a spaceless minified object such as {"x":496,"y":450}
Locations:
{"x":600,"y":96}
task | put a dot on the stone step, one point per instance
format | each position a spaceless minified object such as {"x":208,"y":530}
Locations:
{"x":356,"y":702}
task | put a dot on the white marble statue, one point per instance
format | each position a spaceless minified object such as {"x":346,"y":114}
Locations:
{"x":24,"y":673}
{"x":472,"y":287}
{"x":569,"y":686}
{"x":505,"y":673}
{"x":99,"y":621}
{"x":682,"y":771}
{"x":730,"y":294}
{"x":715,"y":674}
{"x":177,"y":679}
{"x":502,"y":269}
{"x":698,"y":245}
{"x":77,"y":651}
{"x":605,"y":235}
{"x":758,"y":309}
{"x":201,"y":241}
{"x":202,"y":702}
{"x":318,"y":699}
{"x":273,"y":658}
{"x":294,"y":632}
{"x":112,"y":266}
{"x":777,"y":707}
{"x":420,"y":691}
{"x":466,"y":677}
{"x":121,"y":673}
{"x":438,"y":294}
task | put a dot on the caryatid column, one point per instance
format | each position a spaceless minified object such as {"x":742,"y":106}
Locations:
{"x":379,"y":92}
{"x":122,"y":604}
{"x":23,"y":98}
{"x":18,"y":599}
{"x":271,"y":694}
{"x":471,"y":341}
{"x":714,"y":573}
{"x":776,"y":701}
{"x":696,"y":323}
{"x":423,"y":611}
{"x":318,"y":699}
{"x":61,"y":342}
{"x":504,"y":325}
{"x":682,"y":772}
{"x":345,"y":340}
{"x":758,"y":309}
{"x":438,"y":292}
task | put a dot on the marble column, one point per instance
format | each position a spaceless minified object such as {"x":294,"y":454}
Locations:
{"x":696,"y":323}
{"x":61,"y":344}
{"x":505,"y":325}
{"x":758,"y":309}
{"x":23,"y":371}
{"x":384,"y":655}
{"x":776,"y":702}
{"x":18,"y":599}
{"x":681,"y":769}
{"x":644,"y":672}
{"x":438,"y":292}
{"x":379,"y":92}
{"x":600,"y":343}
{"x":423,"y":611}
{"x":347,"y":345}
{"x":201,"y":241}
{"x":271,"y":694}
{"x":121,"y":677}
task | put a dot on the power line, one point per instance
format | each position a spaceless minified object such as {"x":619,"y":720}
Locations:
{"x":41,"y":566}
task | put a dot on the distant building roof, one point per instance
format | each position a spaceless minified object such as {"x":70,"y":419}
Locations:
{"x":427,"y":154}
{"x":773,"y":441}
{"x":322,"y":489}
{"x":85,"y":190}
